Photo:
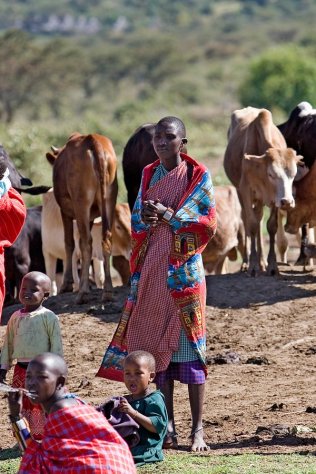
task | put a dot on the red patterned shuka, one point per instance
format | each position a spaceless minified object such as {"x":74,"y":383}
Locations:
{"x":12,"y":217}
{"x":77,"y":439}
{"x":146,"y":324}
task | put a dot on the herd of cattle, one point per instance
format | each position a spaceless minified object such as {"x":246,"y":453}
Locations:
{"x":80,"y":221}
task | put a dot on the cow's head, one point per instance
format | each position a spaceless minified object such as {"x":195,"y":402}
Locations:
{"x":275,"y":171}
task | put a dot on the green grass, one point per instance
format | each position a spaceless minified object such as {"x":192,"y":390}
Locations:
{"x":9,"y":460}
{"x":241,"y":464}
{"x":208,"y":464}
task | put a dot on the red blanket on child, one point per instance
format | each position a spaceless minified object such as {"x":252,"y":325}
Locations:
{"x":78,"y":439}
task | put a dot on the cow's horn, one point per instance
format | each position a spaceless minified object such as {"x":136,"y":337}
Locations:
{"x":54,"y":149}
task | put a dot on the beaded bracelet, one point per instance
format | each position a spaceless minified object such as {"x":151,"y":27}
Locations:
{"x":21,"y":431}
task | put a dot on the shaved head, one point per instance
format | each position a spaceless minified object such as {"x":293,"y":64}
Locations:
{"x":142,"y":357}
{"x":40,"y":278}
{"x":51,"y":362}
{"x":176,"y":122}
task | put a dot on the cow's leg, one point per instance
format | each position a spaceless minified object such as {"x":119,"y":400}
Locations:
{"x":221,"y":268}
{"x":121,"y":264}
{"x":85,"y":244}
{"x":272,"y":226}
{"x":50,"y":266}
{"x":98,"y":271}
{"x":243,"y":238}
{"x":108,"y":207}
{"x":254,"y":216}
{"x":302,"y":259}
{"x":260,"y":245}
{"x":281,"y":239}
{"x":75,"y":274}
{"x":69,"y":247}
{"x":106,"y":249}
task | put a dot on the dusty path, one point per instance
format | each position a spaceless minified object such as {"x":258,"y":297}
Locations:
{"x":271,"y":320}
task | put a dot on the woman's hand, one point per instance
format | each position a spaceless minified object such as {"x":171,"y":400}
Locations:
{"x":152,"y":212}
{"x":15,"y":403}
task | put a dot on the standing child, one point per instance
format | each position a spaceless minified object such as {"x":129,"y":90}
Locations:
{"x":145,"y":406}
{"x":30,"y":331}
{"x":172,"y":221}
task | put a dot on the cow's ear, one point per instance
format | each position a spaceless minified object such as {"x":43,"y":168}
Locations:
{"x":51,"y":158}
{"x":254,"y":158}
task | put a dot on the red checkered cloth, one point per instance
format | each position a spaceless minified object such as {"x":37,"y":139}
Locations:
{"x":78,"y":439}
{"x":12,"y":217}
{"x":155,"y":305}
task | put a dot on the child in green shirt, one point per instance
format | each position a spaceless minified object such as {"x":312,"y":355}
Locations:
{"x":145,"y":406}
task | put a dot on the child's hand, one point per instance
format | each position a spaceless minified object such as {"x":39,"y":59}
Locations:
{"x":15,"y":403}
{"x":125,"y":407}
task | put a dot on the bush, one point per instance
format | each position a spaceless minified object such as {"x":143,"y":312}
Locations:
{"x":280,"y":78}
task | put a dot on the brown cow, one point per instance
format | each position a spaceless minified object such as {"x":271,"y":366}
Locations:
{"x":305,"y":203}
{"x":54,"y":247}
{"x":229,"y":233}
{"x":259,"y":164}
{"x":85,"y":187}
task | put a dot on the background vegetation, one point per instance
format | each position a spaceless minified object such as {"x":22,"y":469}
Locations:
{"x":108,"y":66}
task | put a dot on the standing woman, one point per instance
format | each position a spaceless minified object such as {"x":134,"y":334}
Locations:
{"x":173,"y":219}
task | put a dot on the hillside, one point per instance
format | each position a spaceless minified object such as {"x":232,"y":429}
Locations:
{"x":107,"y":66}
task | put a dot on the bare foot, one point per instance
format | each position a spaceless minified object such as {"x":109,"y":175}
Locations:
{"x":198,"y":443}
{"x":170,"y":441}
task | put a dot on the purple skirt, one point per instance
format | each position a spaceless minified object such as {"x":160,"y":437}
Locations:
{"x":186,"y":372}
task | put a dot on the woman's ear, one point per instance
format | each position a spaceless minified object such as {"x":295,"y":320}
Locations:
{"x":152,"y":376}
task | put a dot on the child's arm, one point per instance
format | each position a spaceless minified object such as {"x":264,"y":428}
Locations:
{"x":56,"y":345}
{"x":7,"y":349}
{"x":20,"y":426}
{"x":143,"y":420}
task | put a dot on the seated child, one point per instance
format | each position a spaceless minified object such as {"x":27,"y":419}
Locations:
{"x":30,"y":331}
{"x":76,"y":437}
{"x":145,"y":406}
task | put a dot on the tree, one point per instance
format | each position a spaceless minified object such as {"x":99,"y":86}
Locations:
{"x":280,"y":78}
{"x":33,"y":74}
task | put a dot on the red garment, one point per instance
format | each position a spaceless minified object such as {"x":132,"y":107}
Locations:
{"x":12,"y":217}
{"x":34,"y":414}
{"x":155,"y":304}
{"x":78,"y":439}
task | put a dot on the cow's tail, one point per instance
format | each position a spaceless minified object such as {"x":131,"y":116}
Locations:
{"x":35,"y":190}
{"x":101,"y":165}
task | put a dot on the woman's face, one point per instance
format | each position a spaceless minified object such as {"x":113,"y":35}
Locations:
{"x":167,"y":144}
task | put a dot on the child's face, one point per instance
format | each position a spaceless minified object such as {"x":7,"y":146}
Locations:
{"x":41,"y":381}
{"x":167,"y":142}
{"x":32,"y":292}
{"x":137,"y":376}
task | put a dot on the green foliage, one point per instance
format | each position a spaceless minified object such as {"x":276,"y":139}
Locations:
{"x":280,"y":78}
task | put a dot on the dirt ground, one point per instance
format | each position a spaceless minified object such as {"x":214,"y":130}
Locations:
{"x":254,"y":404}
